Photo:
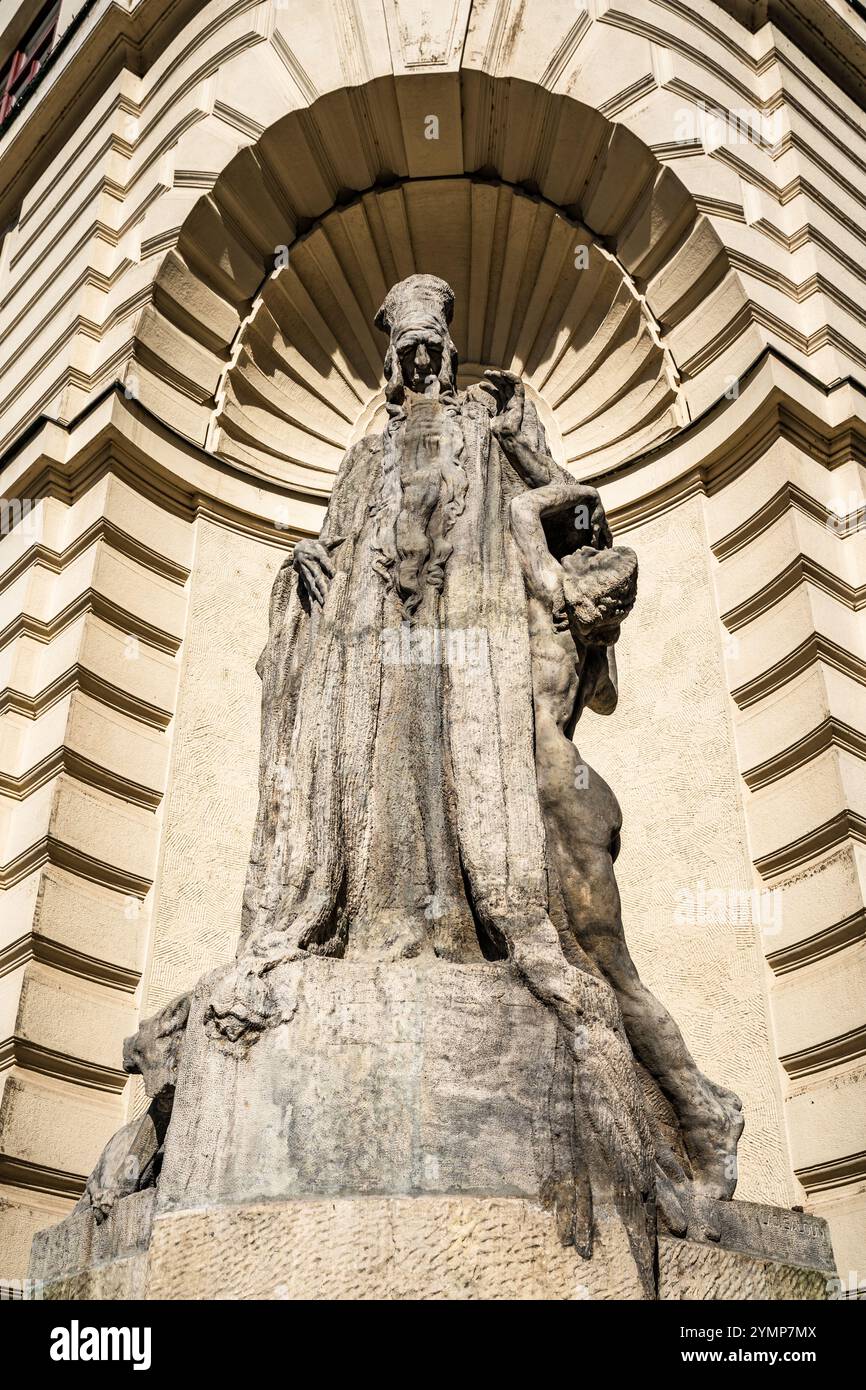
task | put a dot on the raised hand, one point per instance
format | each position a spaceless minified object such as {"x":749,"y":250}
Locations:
{"x":516,"y":428}
{"x":508,"y":391}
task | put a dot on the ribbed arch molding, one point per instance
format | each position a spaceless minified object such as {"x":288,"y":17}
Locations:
{"x":280,"y":371}
{"x":535,"y":293}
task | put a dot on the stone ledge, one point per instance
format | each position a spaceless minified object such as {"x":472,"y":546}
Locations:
{"x":395,"y":1248}
{"x":781,"y":1234}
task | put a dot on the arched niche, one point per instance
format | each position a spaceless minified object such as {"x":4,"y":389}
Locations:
{"x":280,"y":371}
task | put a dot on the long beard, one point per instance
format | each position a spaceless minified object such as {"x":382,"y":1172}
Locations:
{"x":423,"y":492}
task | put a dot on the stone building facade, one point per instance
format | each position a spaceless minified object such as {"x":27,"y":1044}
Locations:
{"x":655,"y":212}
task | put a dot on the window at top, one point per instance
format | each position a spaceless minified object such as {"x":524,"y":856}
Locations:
{"x":20,"y":69}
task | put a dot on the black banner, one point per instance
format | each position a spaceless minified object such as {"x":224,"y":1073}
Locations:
{"x":253,"y":1340}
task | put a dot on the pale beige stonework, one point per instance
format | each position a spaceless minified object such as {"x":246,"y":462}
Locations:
{"x":430,"y":1248}
{"x":142,"y":212}
{"x":211,"y":802}
{"x":413,"y":1248}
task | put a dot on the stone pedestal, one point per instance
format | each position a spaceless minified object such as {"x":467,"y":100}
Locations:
{"x":389,"y":1137}
{"x":457,"y":1247}
{"x":394,"y":1079}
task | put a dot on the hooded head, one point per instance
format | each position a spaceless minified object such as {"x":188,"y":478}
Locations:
{"x":421,"y":355}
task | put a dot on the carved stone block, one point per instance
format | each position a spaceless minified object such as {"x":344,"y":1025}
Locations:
{"x":394,"y":1078}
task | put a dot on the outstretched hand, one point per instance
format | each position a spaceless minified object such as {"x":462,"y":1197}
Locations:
{"x":516,"y":429}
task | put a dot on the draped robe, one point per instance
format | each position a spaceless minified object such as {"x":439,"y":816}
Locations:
{"x":398,"y":806}
{"x":399,"y":813}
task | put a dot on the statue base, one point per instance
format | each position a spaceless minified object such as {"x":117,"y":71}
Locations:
{"x":388,"y":1136}
{"x":413,"y":1248}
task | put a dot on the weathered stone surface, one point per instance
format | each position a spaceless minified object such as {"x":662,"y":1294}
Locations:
{"x":416,"y":802}
{"x":689,"y":1270}
{"x":131,"y":1159}
{"x":118,"y":1279}
{"x":80,"y":1243}
{"x":433,"y":993}
{"x":457,"y":1247}
{"x":748,"y":1228}
{"x":389,"y":1136}
{"x":400,"y":1077}
{"x":422,"y":812}
{"x":153,"y":1051}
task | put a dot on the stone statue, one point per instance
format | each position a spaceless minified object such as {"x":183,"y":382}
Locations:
{"x":422,"y":800}
{"x":420,"y":791}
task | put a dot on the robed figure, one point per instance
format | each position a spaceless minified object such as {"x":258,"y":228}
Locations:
{"x":421,"y":792}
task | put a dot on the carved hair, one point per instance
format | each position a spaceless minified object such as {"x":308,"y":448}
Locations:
{"x":418,"y":302}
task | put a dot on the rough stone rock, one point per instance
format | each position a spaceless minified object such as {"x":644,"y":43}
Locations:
{"x":396,"y":1132}
{"x":85,"y":1258}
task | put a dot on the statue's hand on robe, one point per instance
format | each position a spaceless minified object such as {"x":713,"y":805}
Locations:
{"x":314,"y":569}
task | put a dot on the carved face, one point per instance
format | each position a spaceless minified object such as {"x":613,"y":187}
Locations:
{"x":420,"y":352}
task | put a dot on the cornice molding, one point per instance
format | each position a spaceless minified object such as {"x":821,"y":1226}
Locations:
{"x":789,"y":497}
{"x":50,"y":850}
{"x":90,"y":601}
{"x":35,"y":947}
{"x":801,"y":570}
{"x":38,"y":1177}
{"x":101,"y":530}
{"x":837,"y":1172}
{"x":833,"y":42}
{"x":848,"y":1047}
{"x":814,"y":648}
{"x":85,"y":770}
{"x":20,"y":1052}
{"x":78,"y":677}
{"x":847,"y":825}
{"x":776,"y":399}
{"x":117,"y":435}
{"x":832,"y":733}
{"x":824,"y":943}
{"x":111,"y":39}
